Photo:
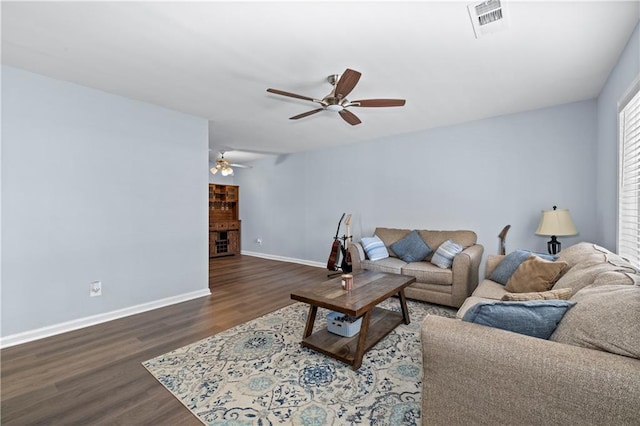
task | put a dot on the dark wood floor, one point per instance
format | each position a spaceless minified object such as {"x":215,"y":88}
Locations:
{"x":94,"y":375}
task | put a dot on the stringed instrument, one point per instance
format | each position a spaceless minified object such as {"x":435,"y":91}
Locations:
{"x":332,"y":263}
{"x":503,"y":237}
{"x":346,"y":255}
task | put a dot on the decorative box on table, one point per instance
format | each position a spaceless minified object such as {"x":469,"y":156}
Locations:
{"x":343,"y":325}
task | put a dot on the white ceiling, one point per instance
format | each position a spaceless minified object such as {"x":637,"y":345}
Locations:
{"x":216,"y":60}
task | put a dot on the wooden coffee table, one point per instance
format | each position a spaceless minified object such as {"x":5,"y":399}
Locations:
{"x":370,"y":288}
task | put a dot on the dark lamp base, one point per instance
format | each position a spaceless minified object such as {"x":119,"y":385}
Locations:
{"x":553,"y":246}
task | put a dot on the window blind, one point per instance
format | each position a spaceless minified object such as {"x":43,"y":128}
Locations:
{"x":629,"y":177}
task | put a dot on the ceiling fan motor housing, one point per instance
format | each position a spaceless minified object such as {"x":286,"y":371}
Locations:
{"x":333,"y":104}
{"x":333,"y":79}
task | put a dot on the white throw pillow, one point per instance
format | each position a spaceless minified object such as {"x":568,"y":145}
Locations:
{"x":374,"y":247}
{"x":443,"y":257}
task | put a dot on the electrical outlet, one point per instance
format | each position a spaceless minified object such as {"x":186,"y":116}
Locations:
{"x":95,"y":289}
{"x":259,"y":241}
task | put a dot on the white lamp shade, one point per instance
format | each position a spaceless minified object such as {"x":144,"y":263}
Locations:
{"x":556,"y":222}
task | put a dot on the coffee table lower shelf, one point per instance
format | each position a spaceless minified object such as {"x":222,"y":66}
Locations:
{"x":345,"y":349}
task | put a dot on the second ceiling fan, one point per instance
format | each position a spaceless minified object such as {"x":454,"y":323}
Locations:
{"x":337,"y":99}
{"x":224,"y":166}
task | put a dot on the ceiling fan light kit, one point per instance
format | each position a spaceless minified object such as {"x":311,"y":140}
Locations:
{"x":224,"y":167}
{"x":337,"y":101}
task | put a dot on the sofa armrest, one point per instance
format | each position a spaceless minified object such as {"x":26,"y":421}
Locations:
{"x":357,"y":255}
{"x":466,"y":266}
{"x":485,"y":376}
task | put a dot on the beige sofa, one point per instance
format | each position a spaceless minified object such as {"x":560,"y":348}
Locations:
{"x":433,"y":284}
{"x":587,"y":373}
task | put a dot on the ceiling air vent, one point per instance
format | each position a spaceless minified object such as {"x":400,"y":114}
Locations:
{"x":488,"y":17}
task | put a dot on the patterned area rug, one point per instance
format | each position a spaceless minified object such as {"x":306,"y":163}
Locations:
{"x":258,"y":374}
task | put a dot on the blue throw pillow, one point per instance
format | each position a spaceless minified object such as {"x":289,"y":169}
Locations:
{"x":411,"y":248}
{"x":510,"y":263}
{"x":443,"y":257}
{"x":535,"y":318}
{"x":374,"y":247}
{"x":545,"y":256}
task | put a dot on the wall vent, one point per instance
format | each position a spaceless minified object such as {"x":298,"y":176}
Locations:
{"x":488,"y":17}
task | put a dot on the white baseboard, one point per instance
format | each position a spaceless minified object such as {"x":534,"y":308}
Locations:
{"x":284,"y":259}
{"x":52,"y":330}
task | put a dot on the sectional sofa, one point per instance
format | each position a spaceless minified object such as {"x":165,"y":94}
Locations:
{"x":586,"y":373}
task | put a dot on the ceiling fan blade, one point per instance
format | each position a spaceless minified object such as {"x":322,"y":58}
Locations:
{"x":346,"y":83}
{"x":291,"y":95}
{"x":305,"y":114}
{"x":378,"y":103}
{"x":349,"y":117}
{"x":241,"y":166}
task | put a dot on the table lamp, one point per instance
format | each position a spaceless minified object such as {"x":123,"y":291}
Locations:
{"x":555,"y":223}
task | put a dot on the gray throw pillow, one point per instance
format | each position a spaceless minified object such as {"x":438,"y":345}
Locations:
{"x":535,"y":318}
{"x":411,"y":248}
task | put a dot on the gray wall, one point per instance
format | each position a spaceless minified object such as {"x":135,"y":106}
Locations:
{"x":96,"y":187}
{"x":619,"y":81}
{"x":99,"y":187}
{"x":480,"y":175}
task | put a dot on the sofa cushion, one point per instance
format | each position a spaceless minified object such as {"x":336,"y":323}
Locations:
{"x":606,"y":318}
{"x":493,"y":260}
{"x":374,"y":247}
{"x":390,"y":265}
{"x":411,"y":248}
{"x":390,"y":236}
{"x":443,"y":257}
{"x":428,"y":273}
{"x":617,"y":260}
{"x":583,"y":253}
{"x":616,"y":278}
{"x":585,"y":274}
{"x":436,"y":238}
{"x":510,"y":263}
{"x":535,"y":274}
{"x":562,"y":293}
{"x":490,"y":290}
{"x":580,"y":276}
{"x":535,"y":318}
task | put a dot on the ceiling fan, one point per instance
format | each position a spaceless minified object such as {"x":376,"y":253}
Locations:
{"x":224,"y":166}
{"x":337,"y":100}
